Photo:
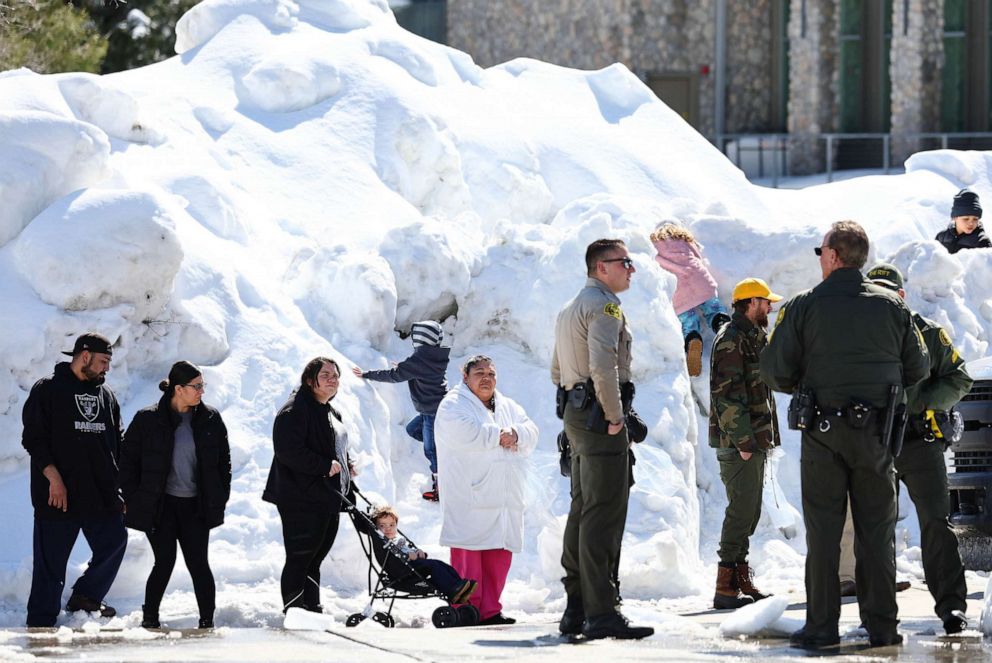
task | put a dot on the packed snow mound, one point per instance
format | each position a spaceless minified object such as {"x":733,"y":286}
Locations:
{"x":206,"y":19}
{"x":307,"y":178}
{"x":101,"y":248}
{"x":43,"y":157}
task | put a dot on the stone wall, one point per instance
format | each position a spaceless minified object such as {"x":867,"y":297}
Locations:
{"x":749,"y":67}
{"x":917,"y":58}
{"x":814,"y":55}
{"x":676,"y":36}
{"x":583,"y":34}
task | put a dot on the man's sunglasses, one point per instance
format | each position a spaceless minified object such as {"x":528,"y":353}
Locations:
{"x":819,"y":250}
{"x":627,"y":262}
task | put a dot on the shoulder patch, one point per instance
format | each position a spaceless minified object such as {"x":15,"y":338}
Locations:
{"x":944,"y":338}
{"x":613,"y":310}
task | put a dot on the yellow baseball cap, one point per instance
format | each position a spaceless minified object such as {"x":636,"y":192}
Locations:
{"x":752,"y":287}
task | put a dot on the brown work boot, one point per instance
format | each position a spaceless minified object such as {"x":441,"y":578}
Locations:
{"x":727,"y":596}
{"x":694,"y":354}
{"x":744,"y":580}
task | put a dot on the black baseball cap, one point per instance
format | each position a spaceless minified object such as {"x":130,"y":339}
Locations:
{"x":886,"y":275}
{"x":92,"y":342}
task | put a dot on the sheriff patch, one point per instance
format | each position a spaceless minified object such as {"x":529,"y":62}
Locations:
{"x":613,"y":311}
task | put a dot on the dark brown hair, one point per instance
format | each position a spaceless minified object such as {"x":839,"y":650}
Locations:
{"x":598,"y":250}
{"x":181,"y":373}
{"x":309,"y":376}
{"x":471,"y":362}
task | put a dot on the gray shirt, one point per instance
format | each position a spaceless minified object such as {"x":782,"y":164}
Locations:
{"x":182,"y":477}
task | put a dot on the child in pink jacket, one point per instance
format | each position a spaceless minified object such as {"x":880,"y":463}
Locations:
{"x":695,"y":289}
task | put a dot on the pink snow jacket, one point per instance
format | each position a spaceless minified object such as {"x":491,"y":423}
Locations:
{"x":695,"y":283}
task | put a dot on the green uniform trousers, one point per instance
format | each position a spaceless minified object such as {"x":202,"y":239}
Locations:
{"x":835,"y":465}
{"x":743,"y":480}
{"x":921,"y":467}
{"x":597,"y":515}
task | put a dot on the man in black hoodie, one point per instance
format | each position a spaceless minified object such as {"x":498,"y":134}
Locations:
{"x":73,"y":432}
{"x":424,"y":370}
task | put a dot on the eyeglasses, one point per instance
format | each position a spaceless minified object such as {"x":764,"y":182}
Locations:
{"x":199,"y":387}
{"x":626,"y":262}
{"x":819,"y":250}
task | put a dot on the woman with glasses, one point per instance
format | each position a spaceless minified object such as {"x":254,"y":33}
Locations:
{"x":175,"y":476}
{"x":310,"y":472}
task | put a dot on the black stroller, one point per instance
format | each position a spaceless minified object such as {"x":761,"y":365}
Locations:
{"x":401,"y":581}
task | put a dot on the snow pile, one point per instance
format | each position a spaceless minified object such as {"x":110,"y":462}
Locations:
{"x":761,"y":618}
{"x":307,"y":178}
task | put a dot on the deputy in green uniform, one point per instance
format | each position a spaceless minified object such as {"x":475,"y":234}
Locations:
{"x":850,"y":342}
{"x":591,"y":360}
{"x":743,"y":426}
{"x":921,"y":464}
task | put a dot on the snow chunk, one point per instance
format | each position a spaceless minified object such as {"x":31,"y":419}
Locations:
{"x":291,"y":81}
{"x":755,"y":618}
{"x":985,"y":618}
{"x":343,"y":15}
{"x":100,"y":248}
{"x":618,"y":92}
{"x":113,"y":110}
{"x":298,"y":619}
{"x":370,"y":304}
{"x":44,"y":157}
{"x":410,"y":59}
{"x":206,"y":19}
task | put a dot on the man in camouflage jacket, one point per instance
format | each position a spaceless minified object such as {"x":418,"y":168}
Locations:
{"x":743,"y":427}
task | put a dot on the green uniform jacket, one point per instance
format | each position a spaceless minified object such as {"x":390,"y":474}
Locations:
{"x":846,"y":339}
{"x":742,"y":407}
{"x":948,"y":381}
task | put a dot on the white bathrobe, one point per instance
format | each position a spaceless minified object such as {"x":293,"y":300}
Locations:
{"x":481,"y":483}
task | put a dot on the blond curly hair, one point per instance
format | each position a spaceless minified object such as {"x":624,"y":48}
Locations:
{"x":672,"y":230}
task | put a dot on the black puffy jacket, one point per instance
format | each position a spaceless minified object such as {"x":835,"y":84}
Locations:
{"x":146,"y":461}
{"x":303,"y":441}
{"x":75,"y":426}
{"x":954,"y":242}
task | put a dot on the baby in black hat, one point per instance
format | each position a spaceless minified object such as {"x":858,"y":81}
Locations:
{"x":965,"y":230}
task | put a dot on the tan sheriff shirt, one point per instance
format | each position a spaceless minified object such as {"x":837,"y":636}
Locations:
{"x":592,"y":339}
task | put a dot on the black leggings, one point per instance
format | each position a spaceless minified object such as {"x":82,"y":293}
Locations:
{"x":308,"y":537}
{"x":181,"y":523}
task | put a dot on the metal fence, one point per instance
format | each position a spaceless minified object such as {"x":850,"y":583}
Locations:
{"x":767,"y":155}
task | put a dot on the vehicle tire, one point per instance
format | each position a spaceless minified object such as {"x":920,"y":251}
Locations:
{"x":976,"y":551}
{"x":445,"y":617}
{"x":468,"y":615}
{"x":384,"y":618}
{"x":355,"y":619}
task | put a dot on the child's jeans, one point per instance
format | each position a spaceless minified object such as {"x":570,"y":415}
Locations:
{"x":421,"y":428}
{"x":690,"y":319}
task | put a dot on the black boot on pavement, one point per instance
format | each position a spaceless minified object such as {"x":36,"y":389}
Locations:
{"x":573,"y":617}
{"x":803,"y":640}
{"x":955,"y":622}
{"x":614,"y":625}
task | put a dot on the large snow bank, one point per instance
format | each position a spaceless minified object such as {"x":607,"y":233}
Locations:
{"x":307,"y":178}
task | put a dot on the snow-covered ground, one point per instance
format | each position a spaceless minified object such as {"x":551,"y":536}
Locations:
{"x":307,"y":178}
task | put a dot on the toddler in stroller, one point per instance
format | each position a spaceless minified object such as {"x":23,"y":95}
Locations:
{"x":405,"y":572}
{"x":392,"y":549}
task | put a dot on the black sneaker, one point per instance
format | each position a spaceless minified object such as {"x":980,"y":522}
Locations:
{"x":614,"y":625}
{"x":78,"y":602}
{"x":803,"y":640}
{"x":499,"y":619}
{"x":955,"y":622}
{"x":205,"y":624}
{"x":571,"y":621}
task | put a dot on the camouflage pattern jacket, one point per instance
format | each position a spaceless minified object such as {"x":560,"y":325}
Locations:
{"x":742,"y":407}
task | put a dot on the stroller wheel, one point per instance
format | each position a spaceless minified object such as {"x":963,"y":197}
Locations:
{"x":445,"y":617}
{"x":385,"y":619}
{"x":355,"y":619}
{"x":468,"y":615}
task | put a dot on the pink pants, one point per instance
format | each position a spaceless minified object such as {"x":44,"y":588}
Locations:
{"x":489,"y":569}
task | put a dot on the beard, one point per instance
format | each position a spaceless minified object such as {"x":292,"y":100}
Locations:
{"x":91,"y":374}
{"x":762,"y":320}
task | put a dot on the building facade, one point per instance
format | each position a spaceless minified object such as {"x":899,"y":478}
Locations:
{"x":803,"y":68}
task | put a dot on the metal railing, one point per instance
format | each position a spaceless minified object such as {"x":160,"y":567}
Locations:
{"x":761,"y":154}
